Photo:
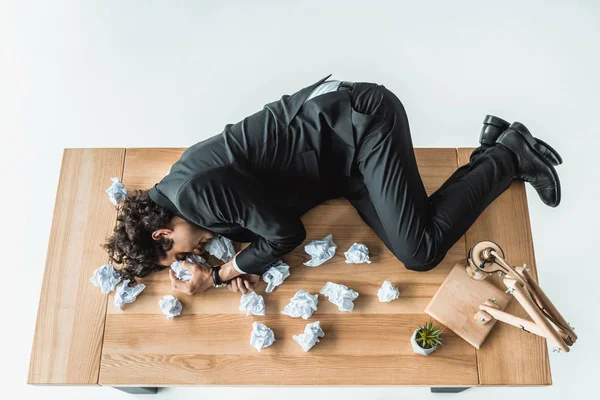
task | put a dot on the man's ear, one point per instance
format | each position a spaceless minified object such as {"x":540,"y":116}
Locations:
{"x":161,"y":233}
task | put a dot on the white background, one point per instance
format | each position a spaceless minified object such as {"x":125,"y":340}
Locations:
{"x":169,"y":74}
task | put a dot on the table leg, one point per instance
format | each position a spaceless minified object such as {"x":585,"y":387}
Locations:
{"x":448,"y":389}
{"x":137,"y":390}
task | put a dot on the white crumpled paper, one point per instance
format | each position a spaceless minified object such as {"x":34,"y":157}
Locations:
{"x":303,"y":304}
{"x":311,"y":335}
{"x":170,"y":306}
{"x":106,"y":278}
{"x":116,"y":192}
{"x":196,"y":259}
{"x":340,"y":295}
{"x":125,"y":294}
{"x":220,"y":247}
{"x":275,"y":275}
{"x":183,"y":274}
{"x":358,"y":253}
{"x":252,"y":303}
{"x":387,"y":292}
{"x":262,"y":336}
{"x":320,"y":251}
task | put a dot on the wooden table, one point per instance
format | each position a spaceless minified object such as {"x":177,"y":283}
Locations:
{"x":81,"y":339}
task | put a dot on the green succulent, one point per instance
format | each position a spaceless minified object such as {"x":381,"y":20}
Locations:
{"x":428,"y":335}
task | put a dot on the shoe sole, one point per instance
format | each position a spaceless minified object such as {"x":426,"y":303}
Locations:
{"x":558,"y":157}
{"x":519,"y":127}
{"x":502,"y":124}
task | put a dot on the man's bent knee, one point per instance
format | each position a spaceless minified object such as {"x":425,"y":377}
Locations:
{"x":422,"y":265}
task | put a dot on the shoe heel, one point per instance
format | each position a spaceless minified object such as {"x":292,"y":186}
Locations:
{"x":496,"y":121}
{"x":551,"y":149}
{"x":492,"y":128}
{"x":522,"y":129}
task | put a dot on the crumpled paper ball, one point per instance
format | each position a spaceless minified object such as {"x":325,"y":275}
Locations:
{"x":320,"y":251}
{"x":220,"y":247}
{"x":106,"y":278}
{"x":125,"y":294}
{"x":170,"y":306}
{"x":197,"y":259}
{"x":311,"y":335}
{"x":303,"y":304}
{"x":252,"y":303}
{"x":275,"y":275}
{"x":262,"y":336}
{"x":358,"y":253}
{"x":387,"y":292}
{"x":184,"y":274}
{"x":181,"y":273}
{"x":340,"y":295}
{"x":116,"y":192}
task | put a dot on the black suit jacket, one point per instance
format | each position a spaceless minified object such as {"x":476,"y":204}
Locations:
{"x":252,"y":182}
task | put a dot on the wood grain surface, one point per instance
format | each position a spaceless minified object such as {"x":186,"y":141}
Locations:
{"x":209,"y":343}
{"x":71,"y":314}
{"x":509,"y":356}
{"x":146,"y":167}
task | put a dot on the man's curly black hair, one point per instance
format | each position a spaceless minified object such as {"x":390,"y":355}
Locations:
{"x":131,"y":244}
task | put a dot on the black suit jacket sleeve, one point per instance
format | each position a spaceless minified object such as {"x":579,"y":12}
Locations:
{"x":226,"y":195}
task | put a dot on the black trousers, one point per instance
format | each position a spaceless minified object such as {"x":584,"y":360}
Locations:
{"x":419,"y":230}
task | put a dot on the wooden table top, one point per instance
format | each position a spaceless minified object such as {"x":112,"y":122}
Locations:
{"x":81,"y":338}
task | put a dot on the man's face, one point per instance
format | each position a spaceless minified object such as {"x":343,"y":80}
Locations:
{"x":187,"y":239}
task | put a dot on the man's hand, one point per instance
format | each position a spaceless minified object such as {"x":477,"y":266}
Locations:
{"x":201,"y":279}
{"x":243,"y":283}
{"x":237,"y":282}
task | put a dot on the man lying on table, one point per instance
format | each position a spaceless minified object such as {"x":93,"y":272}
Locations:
{"x":253,"y":182}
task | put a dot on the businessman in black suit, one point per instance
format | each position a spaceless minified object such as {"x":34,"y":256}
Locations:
{"x":253,"y":182}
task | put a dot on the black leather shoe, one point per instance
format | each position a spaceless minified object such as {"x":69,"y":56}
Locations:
{"x":532,"y":166}
{"x":494,"y":126}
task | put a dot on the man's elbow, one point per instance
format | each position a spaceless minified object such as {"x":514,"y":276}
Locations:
{"x":296,"y":239}
{"x":286,"y":241}
{"x":301,"y":236}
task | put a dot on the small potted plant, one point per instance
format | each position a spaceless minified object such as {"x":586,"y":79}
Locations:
{"x":425,"y":339}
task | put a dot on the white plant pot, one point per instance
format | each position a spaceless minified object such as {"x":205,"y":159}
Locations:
{"x":418,"y":349}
